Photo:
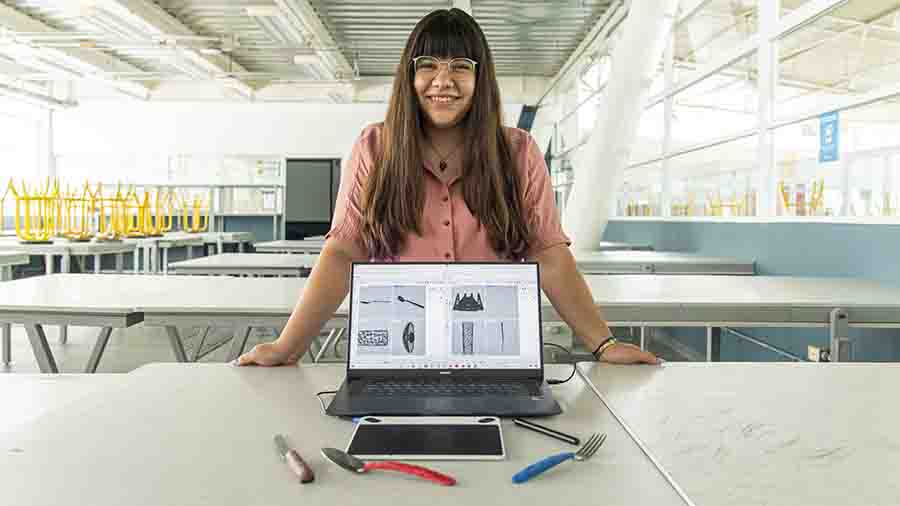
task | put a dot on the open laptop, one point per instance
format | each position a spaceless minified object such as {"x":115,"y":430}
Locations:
{"x":444,"y":339}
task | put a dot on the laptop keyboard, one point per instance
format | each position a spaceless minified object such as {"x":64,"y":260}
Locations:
{"x":436,"y":388}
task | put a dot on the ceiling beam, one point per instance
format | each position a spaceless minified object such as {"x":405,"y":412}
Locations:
{"x":91,"y":64}
{"x":158,"y":23}
{"x":302,"y":14}
{"x":614,"y":14}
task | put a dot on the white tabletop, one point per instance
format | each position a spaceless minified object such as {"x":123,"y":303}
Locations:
{"x":622,"y":246}
{"x":25,"y":397}
{"x":8,"y":258}
{"x":202,"y":435}
{"x":660,"y":262}
{"x":286,"y":246}
{"x":766,"y":433}
{"x":255,"y":262}
{"x":62,"y":247}
{"x":753,"y":291}
{"x":639,"y":298}
{"x":214,"y":237}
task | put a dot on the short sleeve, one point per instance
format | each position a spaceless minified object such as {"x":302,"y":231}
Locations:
{"x":542,"y":217}
{"x":346,"y":224}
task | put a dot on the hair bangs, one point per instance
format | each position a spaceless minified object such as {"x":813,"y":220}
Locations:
{"x":445,"y":35}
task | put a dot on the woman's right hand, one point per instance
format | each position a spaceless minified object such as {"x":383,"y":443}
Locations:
{"x":269,"y":354}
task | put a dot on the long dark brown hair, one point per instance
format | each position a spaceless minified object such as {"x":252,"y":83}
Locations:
{"x":394,"y":198}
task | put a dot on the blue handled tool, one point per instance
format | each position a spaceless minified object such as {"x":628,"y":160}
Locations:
{"x":585,"y":452}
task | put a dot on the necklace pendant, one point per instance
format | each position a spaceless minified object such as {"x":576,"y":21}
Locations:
{"x":443,"y":165}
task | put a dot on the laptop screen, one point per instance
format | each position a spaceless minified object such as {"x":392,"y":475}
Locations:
{"x":445,"y":316}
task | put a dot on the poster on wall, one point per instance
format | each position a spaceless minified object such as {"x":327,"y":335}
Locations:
{"x":829,"y":137}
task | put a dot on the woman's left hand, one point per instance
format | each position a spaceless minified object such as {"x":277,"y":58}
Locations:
{"x":624,"y":353}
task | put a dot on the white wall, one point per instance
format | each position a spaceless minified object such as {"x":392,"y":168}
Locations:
{"x":292,"y":129}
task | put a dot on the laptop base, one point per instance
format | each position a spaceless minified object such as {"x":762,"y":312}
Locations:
{"x":352,"y":404}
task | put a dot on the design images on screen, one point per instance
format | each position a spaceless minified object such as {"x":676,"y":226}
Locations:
{"x":442,"y":317}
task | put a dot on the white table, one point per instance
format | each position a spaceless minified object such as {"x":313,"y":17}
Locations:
{"x":715,"y":302}
{"x":216,"y":302}
{"x":658,"y":262}
{"x":202,"y":435}
{"x":7,"y":261}
{"x":309,"y":246}
{"x":247,"y":264}
{"x":68,"y":299}
{"x":66,"y":250}
{"x":622,"y":246}
{"x":219,"y":239}
{"x":765,"y":433}
{"x":119,"y":301}
{"x":25,"y":397}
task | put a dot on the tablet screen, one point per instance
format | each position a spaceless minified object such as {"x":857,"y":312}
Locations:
{"x":424,"y":440}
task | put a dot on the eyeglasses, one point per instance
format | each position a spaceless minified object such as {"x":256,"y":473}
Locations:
{"x":429,"y":66}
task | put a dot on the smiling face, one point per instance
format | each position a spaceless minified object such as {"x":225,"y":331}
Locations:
{"x":444,"y":89}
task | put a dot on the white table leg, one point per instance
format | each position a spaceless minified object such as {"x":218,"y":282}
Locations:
{"x":177,"y":344}
{"x":190,"y":252}
{"x":41,"y":349}
{"x":137,"y":259}
{"x":220,"y":246}
{"x":238,"y":342}
{"x":97,"y":259}
{"x":6,"y":335}
{"x":65,"y":266}
{"x":120,"y":262}
{"x":165,"y":261}
{"x":48,"y":261}
{"x":240,"y":246}
{"x":102,"y":340}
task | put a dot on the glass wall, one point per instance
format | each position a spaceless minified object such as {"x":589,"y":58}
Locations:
{"x":777,"y":108}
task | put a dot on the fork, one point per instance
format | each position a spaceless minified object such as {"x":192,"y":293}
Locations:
{"x":585,"y":452}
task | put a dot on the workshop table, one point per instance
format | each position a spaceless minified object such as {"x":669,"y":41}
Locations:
{"x":25,"y":397}
{"x":658,"y":262}
{"x":764,"y":433}
{"x":220,"y":239}
{"x":717,"y":302}
{"x":69,"y":299}
{"x":223,"y":302}
{"x":622,"y":246}
{"x":315,"y":245}
{"x":66,"y":250}
{"x":309,"y":246}
{"x":8,"y":260}
{"x":247,"y":264}
{"x":201,"y":434}
{"x":119,"y":301}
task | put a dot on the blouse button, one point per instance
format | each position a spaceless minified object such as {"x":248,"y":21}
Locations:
{"x":445,"y":199}
{"x":446,"y":223}
{"x":447,"y":256}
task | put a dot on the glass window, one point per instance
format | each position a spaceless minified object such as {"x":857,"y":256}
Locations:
{"x":641,"y":191}
{"x":805,"y":187}
{"x":713,"y":31}
{"x":716,"y":181}
{"x":868,"y":146}
{"x":851,"y":50}
{"x":725,"y":103}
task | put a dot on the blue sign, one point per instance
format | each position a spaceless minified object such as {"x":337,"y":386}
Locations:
{"x":829,"y":137}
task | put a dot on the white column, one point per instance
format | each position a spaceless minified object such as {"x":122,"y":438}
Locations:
{"x":767,"y":63}
{"x":669,"y":80}
{"x":599,"y":173}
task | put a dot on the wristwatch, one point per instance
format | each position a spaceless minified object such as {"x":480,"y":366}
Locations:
{"x":607,"y":343}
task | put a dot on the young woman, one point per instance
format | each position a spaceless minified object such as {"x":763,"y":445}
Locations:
{"x":441,"y":179}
